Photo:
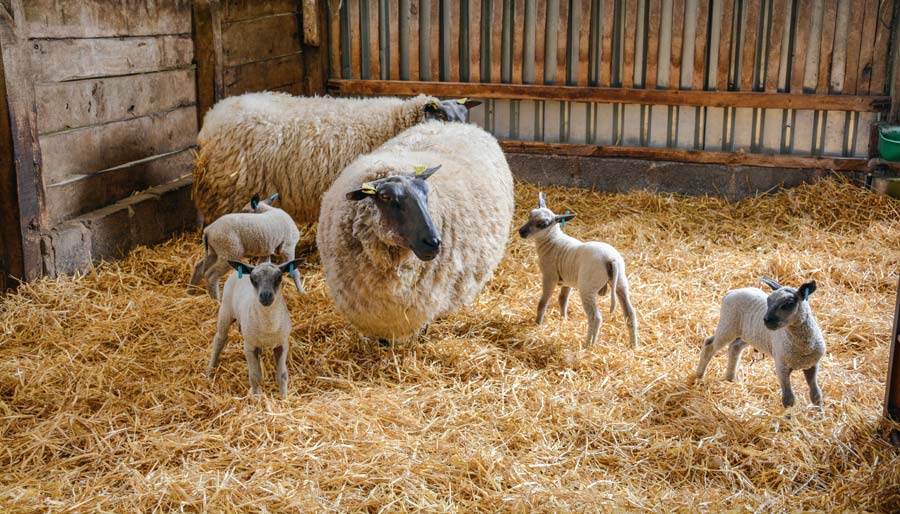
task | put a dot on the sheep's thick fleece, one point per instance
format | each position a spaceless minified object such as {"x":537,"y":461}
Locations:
{"x":384,"y":290}
{"x":294,"y":145}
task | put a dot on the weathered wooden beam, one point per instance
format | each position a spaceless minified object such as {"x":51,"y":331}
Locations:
{"x":677,"y":155}
{"x":21,"y":185}
{"x":208,"y":55}
{"x":313,"y":21}
{"x":892,"y":388}
{"x":614,"y":95}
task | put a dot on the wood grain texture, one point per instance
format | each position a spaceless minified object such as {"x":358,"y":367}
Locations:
{"x":101,"y":18}
{"x":826,"y":50}
{"x":867,"y":48}
{"x":67,"y":105}
{"x":204,"y":17}
{"x":653,"y":17}
{"x":700,"y":46}
{"x":725,"y":45}
{"x":496,"y":38}
{"x":334,"y":38}
{"x":540,"y":28}
{"x":839,"y":49}
{"x":518,"y":52}
{"x":454,"y":26}
{"x":265,"y":38}
{"x":12,"y":262}
{"x":374,"y":47}
{"x":748,"y":47}
{"x":881,"y":57}
{"x":58,"y":60}
{"x":630,"y":33}
{"x":264,"y":75}
{"x":234,"y":10}
{"x":312,"y":34}
{"x":87,"y":150}
{"x":355,"y":47}
{"x":781,"y":13}
{"x":854,"y":45}
{"x":606,"y":43}
{"x":677,"y":32}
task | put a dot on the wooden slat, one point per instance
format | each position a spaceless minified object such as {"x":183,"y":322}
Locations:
{"x":614,"y":95}
{"x":87,"y":150}
{"x":394,"y":39}
{"x":573,"y":39}
{"x":90,"y":192}
{"x":748,"y":57}
{"x":496,"y":39}
{"x":839,"y":49}
{"x":700,"y":47}
{"x":551,"y":42}
{"x":98,"y":18}
{"x":245,"y":9}
{"x":518,"y":56}
{"x":725,"y":45}
{"x":455,"y":40}
{"x":630,"y":29}
{"x":781,"y":13}
{"x":528,"y":41}
{"x":12,"y":249}
{"x":263,"y":75}
{"x":374,"y":47}
{"x":365,"y":35}
{"x":310,"y":12}
{"x":314,"y":59}
{"x":58,"y":60}
{"x":813,"y":45}
{"x":207,"y":36}
{"x":606,"y":46}
{"x":414,"y":40}
{"x":677,"y":31}
{"x":881,"y":57}
{"x":694,"y":156}
{"x":242,"y":41}
{"x":67,"y":105}
{"x":539,"y":36}
{"x":384,"y":38}
{"x":801,"y":38}
{"x":854,"y":41}
{"x":435,"y":47}
{"x":653,"y":17}
{"x":334,"y":37}
{"x":827,"y":49}
{"x":867,"y":48}
{"x":594,"y":47}
{"x":355,"y":47}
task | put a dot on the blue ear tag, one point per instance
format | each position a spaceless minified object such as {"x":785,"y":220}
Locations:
{"x":240,"y":272}
{"x":806,"y":295}
{"x":291,"y":269}
{"x":563,"y":222}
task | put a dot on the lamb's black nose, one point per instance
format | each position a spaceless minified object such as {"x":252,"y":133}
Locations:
{"x":432,"y":242}
{"x":523,"y":232}
{"x":266,"y":298}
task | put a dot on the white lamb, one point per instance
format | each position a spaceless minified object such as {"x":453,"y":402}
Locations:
{"x":400,"y":250}
{"x":590,"y":267}
{"x":267,"y":231}
{"x":257,"y":304}
{"x":780,"y":325}
{"x":297,"y":145}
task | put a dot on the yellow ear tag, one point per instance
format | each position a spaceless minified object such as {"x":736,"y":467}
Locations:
{"x":462,"y":101}
{"x":434,"y":105}
{"x":419,"y":170}
{"x":368,"y":189}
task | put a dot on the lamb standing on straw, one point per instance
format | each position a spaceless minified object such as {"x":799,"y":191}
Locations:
{"x":780,"y":325}
{"x":265,"y":323}
{"x":297,"y":145}
{"x":260,"y":230}
{"x":588,"y":266}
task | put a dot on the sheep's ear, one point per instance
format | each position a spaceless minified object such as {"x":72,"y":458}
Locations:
{"x":471,"y":104}
{"x":254,"y":202}
{"x":565,"y":217}
{"x":432,"y":106}
{"x":364,"y":191}
{"x":289,"y":267}
{"x":427,"y":173}
{"x":241,"y":268}
{"x":771,"y":283}
{"x":806,"y":289}
{"x":270,"y":200}
{"x":542,"y":201}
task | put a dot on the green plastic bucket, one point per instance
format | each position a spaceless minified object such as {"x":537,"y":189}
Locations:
{"x":889,"y":145}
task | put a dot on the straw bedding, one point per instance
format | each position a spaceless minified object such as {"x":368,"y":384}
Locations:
{"x":104,"y":406}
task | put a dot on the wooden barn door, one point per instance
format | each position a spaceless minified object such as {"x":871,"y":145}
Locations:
{"x":790,"y":83}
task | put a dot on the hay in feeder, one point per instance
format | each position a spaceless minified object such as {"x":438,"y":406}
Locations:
{"x":104,"y":405}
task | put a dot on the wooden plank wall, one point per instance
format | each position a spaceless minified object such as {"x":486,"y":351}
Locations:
{"x":784,"y":47}
{"x":114,"y":93}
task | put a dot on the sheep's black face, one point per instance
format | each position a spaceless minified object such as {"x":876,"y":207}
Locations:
{"x":265,"y":278}
{"x":403,"y":203}
{"x":783,"y":304}
{"x":450,"y":110}
{"x":542,"y":219}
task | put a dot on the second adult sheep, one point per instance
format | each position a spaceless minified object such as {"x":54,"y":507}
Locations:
{"x":400,"y":250}
{"x":296,"y":145}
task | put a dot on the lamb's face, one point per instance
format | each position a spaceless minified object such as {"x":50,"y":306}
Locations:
{"x":253,"y":204}
{"x":402,"y":203}
{"x":265,"y":278}
{"x":450,"y":110}
{"x":540,"y":220}
{"x":783,"y":304}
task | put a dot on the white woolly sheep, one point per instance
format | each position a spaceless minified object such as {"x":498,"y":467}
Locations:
{"x":266,"y":231}
{"x":296,"y":145}
{"x":589,"y":267}
{"x":257,"y":304}
{"x":399,"y":252}
{"x":780,"y":325}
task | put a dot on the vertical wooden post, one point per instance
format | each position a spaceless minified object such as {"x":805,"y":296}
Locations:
{"x":207,"y":34}
{"x":21,"y":184}
{"x":892,"y":388}
{"x":313,"y":21}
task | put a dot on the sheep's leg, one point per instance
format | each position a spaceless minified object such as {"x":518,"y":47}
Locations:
{"x":281,"y":372}
{"x":628,"y":310}
{"x":589,"y":302}
{"x":564,"y":301}
{"x":198,"y":271}
{"x":222,"y":325}
{"x":710,"y":347}
{"x":815,"y":394}
{"x":288,"y":254}
{"x":252,"y":355}
{"x":784,"y":378}
{"x":548,"y":285}
{"x":213,"y":277}
{"x":734,"y":359}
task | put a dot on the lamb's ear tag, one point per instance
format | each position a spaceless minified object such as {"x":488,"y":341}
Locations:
{"x":806,"y":295}
{"x":368,"y":188}
{"x":419,"y":169}
{"x":462,"y":101}
{"x":562,"y":223}
{"x":240,"y":272}
{"x":291,"y":268}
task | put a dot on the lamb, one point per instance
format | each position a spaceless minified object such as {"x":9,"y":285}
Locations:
{"x":265,"y":231}
{"x":258,"y":306}
{"x":400,"y":249}
{"x":590,"y":267}
{"x":780,"y":325}
{"x":297,"y":145}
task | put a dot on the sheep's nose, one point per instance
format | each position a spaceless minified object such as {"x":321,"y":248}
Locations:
{"x":432,"y":242}
{"x":266,"y":298}
{"x":523,"y":233}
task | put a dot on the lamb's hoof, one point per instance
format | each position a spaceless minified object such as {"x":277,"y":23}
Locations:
{"x":691,"y":380}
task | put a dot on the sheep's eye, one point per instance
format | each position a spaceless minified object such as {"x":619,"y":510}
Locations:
{"x":384,"y":197}
{"x":788,"y":305}
{"x":543,"y":224}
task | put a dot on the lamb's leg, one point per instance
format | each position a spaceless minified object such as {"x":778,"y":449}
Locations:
{"x":198,"y":271}
{"x":288,"y":254}
{"x":252,"y":355}
{"x":734,"y":358}
{"x":784,"y":378}
{"x":710,"y":346}
{"x":628,"y":310}
{"x":548,"y":285}
{"x":815,"y":394}
{"x":564,"y":301}
{"x":222,"y":325}
{"x":213,"y":277}
{"x":589,"y":302}
{"x":281,"y":372}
